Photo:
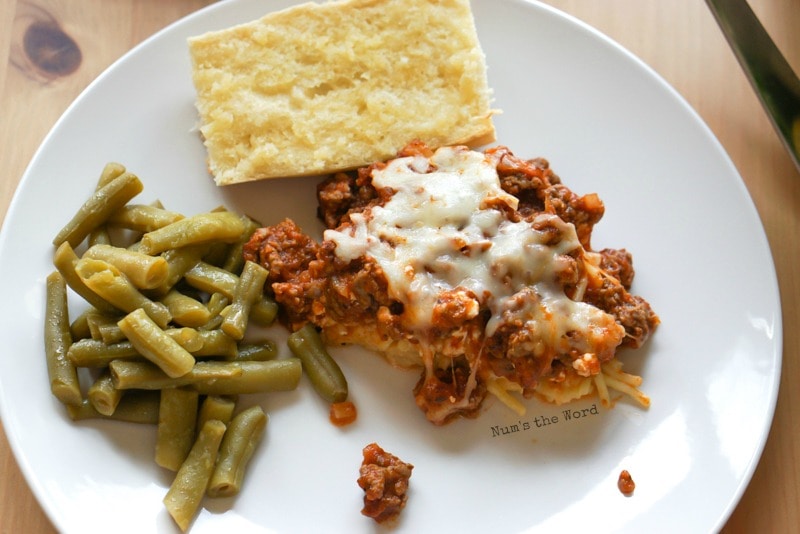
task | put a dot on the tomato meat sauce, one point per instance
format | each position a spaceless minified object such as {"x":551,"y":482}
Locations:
{"x":384,"y":478}
{"x":625,"y":483}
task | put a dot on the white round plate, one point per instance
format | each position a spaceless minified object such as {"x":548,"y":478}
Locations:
{"x":607,"y":124}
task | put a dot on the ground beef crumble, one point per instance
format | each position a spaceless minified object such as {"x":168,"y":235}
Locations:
{"x":384,"y":478}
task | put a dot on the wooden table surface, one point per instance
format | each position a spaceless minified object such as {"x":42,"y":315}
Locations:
{"x":678,"y":38}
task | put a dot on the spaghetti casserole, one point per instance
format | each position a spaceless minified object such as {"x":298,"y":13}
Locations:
{"x":475,"y":267}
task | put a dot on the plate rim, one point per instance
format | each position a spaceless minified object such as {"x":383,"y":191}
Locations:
{"x":22,"y":461}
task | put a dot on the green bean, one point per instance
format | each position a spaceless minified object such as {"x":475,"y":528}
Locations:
{"x":216,"y":254}
{"x":90,"y":352}
{"x":234,"y":261}
{"x":179,"y":260}
{"x":110,"y":171}
{"x":249,"y":289}
{"x":99,"y":236}
{"x":216,"y":407}
{"x":95,"y":353}
{"x":211,"y":279}
{"x":57,"y":339}
{"x":147,"y":375}
{"x":238,"y":445}
{"x":96,"y":321}
{"x":187,"y":490}
{"x":322,"y":370}
{"x":79,"y":328}
{"x":212,"y":377}
{"x":98,"y":208}
{"x":218,"y":344}
{"x":156,"y":345}
{"x":144,"y":272}
{"x":218,"y":251}
{"x":108,"y":282}
{"x":257,"y":352}
{"x":198,"y":229}
{"x":134,"y":407}
{"x":213,"y":324}
{"x":217,"y":302}
{"x":65,"y":261}
{"x":256,"y":377}
{"x":110,"y":333}
{"x":102,"y":394}
{"x":264,"y":311}
{"x":188,"y":338}
{"x":177,"y":417}
{"x":143,"y":218}
{"x":185,"y":310}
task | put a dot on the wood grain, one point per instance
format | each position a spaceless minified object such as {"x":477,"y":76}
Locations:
{"x":677,"y":38}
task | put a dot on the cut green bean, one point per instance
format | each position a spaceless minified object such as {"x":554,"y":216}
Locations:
{"x":156,"y":345}
{"x":216,"y":343}
{"x":241,"y":439}
{"x":99,"y":353}
{"x":187,"y":490}
{"x":143,"y":218}
{"x":256,"y":377}
{"x":100,"y":236}
{"x":218,"y":251}
{"x":97,"y":320}
{"x":110,"y":171}
{"x":57,"y":339}
{"x":147,"y":375}
{"x":177,"y":417}
{"x":95,"y":353}
{"x":65,"y":261}
{"x":134,"y":407}
{"x":185,"y":310}
{"x":98,"y":208}
{"x":216,"y":407}
{"x":264,"y":311}
{"x":204,"y":228}
{"x":211,"y":279}
{"x":257,"y":352}
{"x":216,"y":254}
{"x":102,"y":394}
{"x":179,"y":260}
{"x":144,"y":272}
{"x":188,"y":338}
{"x":110,"y":333}
{"x":213,"y":324}
{"x":108,"y":282}
{"x":249,"y":289}
{"x":79,"y":327}
{"x":216,"y":303}
{"x":322,"y":370}
{"x":234,"y":261}
{"x":212,"y":377}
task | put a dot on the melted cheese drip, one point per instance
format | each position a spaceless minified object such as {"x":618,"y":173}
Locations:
{"x":438,"y":232}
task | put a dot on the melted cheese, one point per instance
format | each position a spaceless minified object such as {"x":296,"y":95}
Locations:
{"x":442,"y":230}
